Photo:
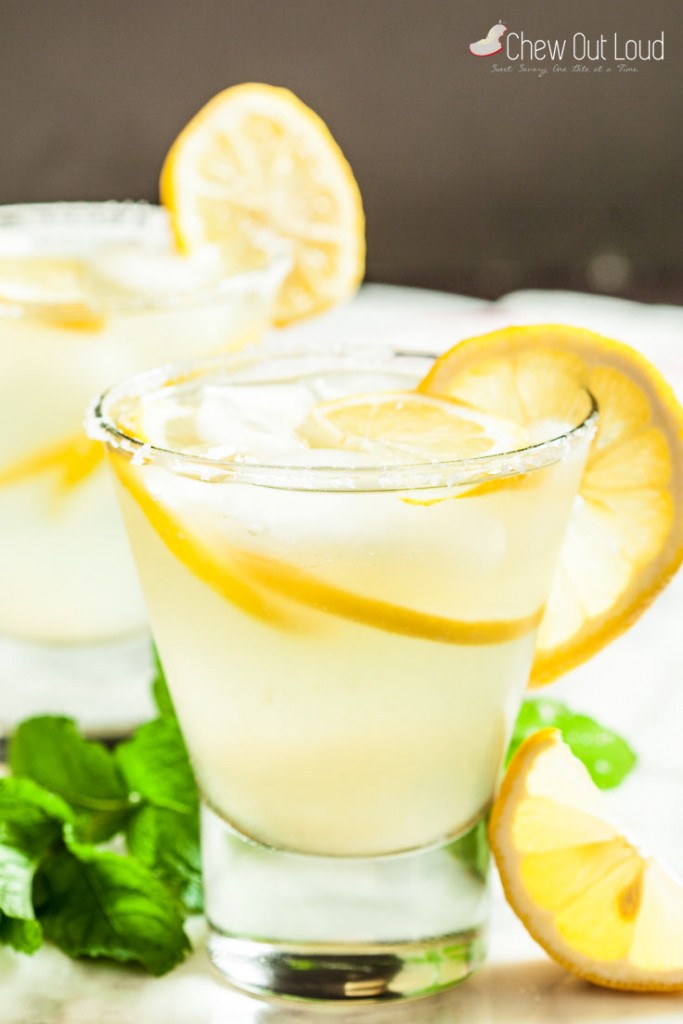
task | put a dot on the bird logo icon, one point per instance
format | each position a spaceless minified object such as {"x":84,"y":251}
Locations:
{"x":491,"y":43}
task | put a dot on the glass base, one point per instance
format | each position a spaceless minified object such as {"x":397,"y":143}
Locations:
{"x":341,"y":928}
{"x":327,"y":972}
{"x":347,"y":972}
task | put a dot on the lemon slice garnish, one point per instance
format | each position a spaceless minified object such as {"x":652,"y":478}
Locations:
{"x":255,"y":162}
{"x":625,"y":535}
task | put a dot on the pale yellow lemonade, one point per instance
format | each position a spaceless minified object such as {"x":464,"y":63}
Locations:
{"x":345,"y":579}
{"x":347,"y":633}
{"x":89,"y":293}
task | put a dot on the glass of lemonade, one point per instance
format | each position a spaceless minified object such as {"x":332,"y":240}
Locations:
{"x":90,"y":293}
{"x":347,"y":636}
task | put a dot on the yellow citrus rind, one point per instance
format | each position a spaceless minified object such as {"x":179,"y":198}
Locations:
{"x":73,"y":460}
{"x":275,"y":592}
{"x":624,"y":541}
{"x":597,"y":905}
{"x":52,"y":289}
{"x":409,"y":427}
{"x":256,"y":160}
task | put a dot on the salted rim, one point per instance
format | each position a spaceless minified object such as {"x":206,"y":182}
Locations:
{"x":30,"y":219}
{"x":101,"y":425}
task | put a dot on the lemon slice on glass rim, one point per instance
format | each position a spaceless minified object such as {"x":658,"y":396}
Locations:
{"x":624,"y":539}
{"x":256,"y":162}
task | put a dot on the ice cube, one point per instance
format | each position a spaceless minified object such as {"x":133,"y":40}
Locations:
{"x":257,"y":422}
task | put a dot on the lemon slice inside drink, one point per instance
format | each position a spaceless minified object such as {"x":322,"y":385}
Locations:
{"x":381,"y":430}
{"x":404,"y":427}
{"x":55,"y":288}
{"x":41,"y":280}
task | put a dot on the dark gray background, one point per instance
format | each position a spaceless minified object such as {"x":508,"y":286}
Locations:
{"x":473,"y":182}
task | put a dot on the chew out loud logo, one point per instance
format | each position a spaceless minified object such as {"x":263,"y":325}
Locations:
{"x":580,"y":46}
{"x":491,"y":43}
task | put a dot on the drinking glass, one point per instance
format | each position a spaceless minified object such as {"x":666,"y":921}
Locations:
{"x":347,"y":641}
{"x":90,"y":293}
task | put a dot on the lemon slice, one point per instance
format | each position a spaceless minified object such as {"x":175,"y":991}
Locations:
{"x":256,"y":160}
{"x":212,"y":567}
{"x":274,"y":591}
{"x":596,"y":904}
{"x":625,"y":536}
{"x":403,"y":426}
{"x":73,"y":460}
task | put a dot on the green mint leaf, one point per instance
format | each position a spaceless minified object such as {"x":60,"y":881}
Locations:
{"x":16,"y":883}
{"x":100,"y":904}
{"x":155,"y":766}
{"x":160,"y":691}
{"x":24,"y":936}
{"x":31,"y":818}
{"x":18,"y":927}
{"x":163,"y":834}
{"x":31,"y":822}
{"x":104,"y":825}
{"x":606,"y":755}
{"x":50,"y":751}
{"x":472,"y":850}
{"x":168,"y":843}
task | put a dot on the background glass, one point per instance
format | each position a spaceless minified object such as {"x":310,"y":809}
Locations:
{"x":60,"y":536}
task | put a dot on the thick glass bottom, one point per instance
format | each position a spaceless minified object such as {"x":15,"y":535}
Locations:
{"x":327,"y":972}
{"x":352,"y":929}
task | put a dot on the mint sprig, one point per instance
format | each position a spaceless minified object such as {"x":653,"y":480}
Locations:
{"x":31,"y":821}
{"x":168,"y":844}
{"x":164,"y":832}
{"x":26,"y":936}
{"x":155,"y":766}
{"x":607,"y":756}
{"x":126,"y":900}
{"x":160,"y":690}
{"x":50,"y":751}
{"x":31,"y":817}
{"x":99,"y":849}
{"x":96,"y":903}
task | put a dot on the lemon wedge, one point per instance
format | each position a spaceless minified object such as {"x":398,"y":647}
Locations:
{"x":597,"y":904}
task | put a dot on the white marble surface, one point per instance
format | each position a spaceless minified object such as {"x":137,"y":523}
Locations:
{"x":519,"y":985}
{"x":634,"y":686}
